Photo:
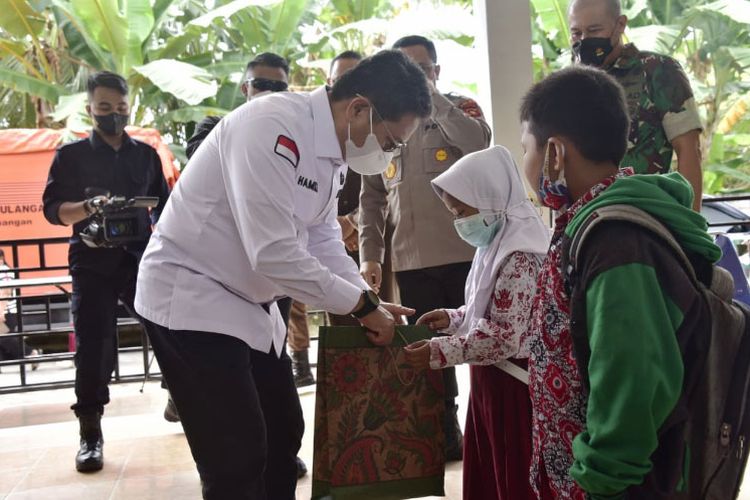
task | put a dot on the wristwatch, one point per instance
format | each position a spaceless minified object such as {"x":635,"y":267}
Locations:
{"x":371,"y":302}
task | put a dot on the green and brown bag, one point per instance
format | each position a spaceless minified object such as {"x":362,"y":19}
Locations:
{"x":378,"y":424}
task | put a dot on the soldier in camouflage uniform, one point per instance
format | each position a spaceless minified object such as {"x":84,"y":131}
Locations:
{"x":430,"y":261}
{"x":664,"y":116}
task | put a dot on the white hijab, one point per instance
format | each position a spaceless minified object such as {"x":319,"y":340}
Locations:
{"x":489,"y":181}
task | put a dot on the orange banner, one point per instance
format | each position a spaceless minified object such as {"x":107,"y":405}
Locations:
{"x":25,"y":159}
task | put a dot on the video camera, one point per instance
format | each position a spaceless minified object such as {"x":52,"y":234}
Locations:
{"x":116,"y":222}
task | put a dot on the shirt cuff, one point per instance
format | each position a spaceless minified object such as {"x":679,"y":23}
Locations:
{"x":676,"y":124}
{"x":445,"y":352}
{"x":368,"y":253}
{"x":52,"y":212}
{"x":455,"y":319}
{"x":342,"y":297}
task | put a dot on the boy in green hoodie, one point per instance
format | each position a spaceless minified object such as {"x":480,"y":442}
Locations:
{"x":606,"y":369}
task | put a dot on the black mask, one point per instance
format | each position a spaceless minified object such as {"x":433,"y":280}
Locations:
{"x":111,"y":124}
{"x":593,"y":51}
{"x":264,"y":84}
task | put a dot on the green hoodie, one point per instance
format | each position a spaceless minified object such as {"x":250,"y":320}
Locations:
{"x":669,"y":198}
{"x":633,"y":319}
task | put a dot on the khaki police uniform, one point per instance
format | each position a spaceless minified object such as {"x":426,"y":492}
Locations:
{"x":423,"y":234}
{"x":430,"y":261}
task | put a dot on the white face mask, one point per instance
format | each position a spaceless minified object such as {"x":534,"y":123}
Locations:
{"x":370,"y":159}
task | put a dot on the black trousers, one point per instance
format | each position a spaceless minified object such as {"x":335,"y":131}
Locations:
{"x":434,"y":288}
{"x":240,"y":411}
{"x":94,"y":308}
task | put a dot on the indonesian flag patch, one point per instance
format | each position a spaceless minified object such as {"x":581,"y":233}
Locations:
{"x":287,"y":149}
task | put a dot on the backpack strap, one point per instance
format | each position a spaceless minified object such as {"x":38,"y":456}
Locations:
{"x":626,"y":213}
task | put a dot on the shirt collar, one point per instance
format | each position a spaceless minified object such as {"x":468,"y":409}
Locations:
{"x":628,"y":58}
{"x":326,"y":142}
{"x":97,"y":142}
{"x":561,"y":222}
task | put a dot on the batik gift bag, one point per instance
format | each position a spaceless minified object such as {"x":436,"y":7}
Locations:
{"x":378,"y":423}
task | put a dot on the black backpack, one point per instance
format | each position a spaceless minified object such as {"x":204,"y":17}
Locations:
{"x":713,"y":413}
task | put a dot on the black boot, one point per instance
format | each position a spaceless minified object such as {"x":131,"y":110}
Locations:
{"x":301,"y":369}
{"x":301,"y":468}
{"x":90,"y":457}
{"x":454,"y":439}
{"x":170,"y":411}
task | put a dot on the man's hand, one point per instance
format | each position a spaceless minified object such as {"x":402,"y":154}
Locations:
{"x":435,"y":320}
{"x":381,"y":326}
{"x":352,"y":242}
{"x":72,"y":212}
{"x":346,"y":227}
{"x":398,"y":312}
{"x":372,"y":273}
{"x":418,"y":354}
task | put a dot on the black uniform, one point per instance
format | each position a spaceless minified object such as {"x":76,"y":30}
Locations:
{"x":202,"y":129}
{"x":101,"y":275}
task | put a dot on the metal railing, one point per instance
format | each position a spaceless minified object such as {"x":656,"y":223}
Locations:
{"x":29,"y":307}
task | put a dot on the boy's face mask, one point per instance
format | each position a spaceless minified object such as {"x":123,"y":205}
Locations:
{"x":553,"y":194}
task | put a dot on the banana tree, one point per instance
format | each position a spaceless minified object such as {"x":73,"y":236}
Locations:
{"x":93,"y":35}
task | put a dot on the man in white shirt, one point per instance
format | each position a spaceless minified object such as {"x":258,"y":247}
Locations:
{"x":252,"y":220}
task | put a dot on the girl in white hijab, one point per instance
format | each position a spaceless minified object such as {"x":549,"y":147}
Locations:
{"x":493,"y":213}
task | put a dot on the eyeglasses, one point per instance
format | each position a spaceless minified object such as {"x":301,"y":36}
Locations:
{"x":264,"y":84}
{"x":427,"y":67}
{"x":395,"y":144}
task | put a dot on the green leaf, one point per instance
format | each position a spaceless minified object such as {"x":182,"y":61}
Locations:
{"x":654,"y":38}
{"x":179,"y":153}
{"x":716,"y":154}
{"x":635,"y":9}
{"x":284,"y":20}
{"x":739,"y":139}
{"x":176,"y":45}
{"x":70,"y":105}
{"x":19,"y":19}
{"x":184,"y":81}
{"x":552,"y":16}
{"x":10,"y":48}
{"x":741,"y":56}
{"x":226,"y":68}
{"x":21,"y":82}
{"x":191,"y":114}
{"x":80,"y":44}
{"x":121,"y":33}
{"x":737,"y":10}
{"x":228,"y":10}
{"x":728,"y":171}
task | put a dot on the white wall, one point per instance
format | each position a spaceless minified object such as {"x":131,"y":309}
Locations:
{"x":504,"y":40}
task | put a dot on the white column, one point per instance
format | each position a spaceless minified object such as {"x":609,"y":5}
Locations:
{"x":504,"y":40}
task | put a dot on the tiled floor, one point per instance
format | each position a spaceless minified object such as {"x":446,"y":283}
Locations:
{"x":145,"y":456}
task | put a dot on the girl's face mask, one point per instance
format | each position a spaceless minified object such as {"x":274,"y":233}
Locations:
{"x":479,"y":230}
{"x":553,"y":194}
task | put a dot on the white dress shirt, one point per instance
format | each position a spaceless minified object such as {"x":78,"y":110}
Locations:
{"x":253,"y":219}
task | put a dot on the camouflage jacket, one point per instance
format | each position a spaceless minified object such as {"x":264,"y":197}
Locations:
{"x":660,"y":104}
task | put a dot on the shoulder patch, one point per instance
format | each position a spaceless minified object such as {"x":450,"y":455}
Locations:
{"x":287,"y":149}
{"x":471,"y":108}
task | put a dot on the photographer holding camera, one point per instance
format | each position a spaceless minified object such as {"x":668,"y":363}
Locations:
{"x":96,"y":185}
